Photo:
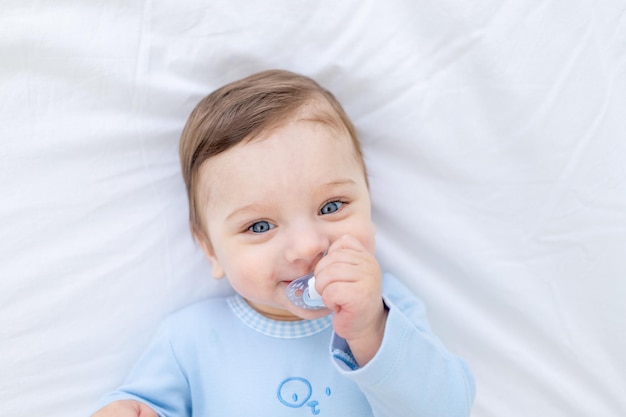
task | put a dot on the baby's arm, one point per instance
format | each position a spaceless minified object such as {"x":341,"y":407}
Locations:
{"x":156,"y":385}
{"x":126,"y":408}
{"x":401,"y":366}
{"x":412,"y":373}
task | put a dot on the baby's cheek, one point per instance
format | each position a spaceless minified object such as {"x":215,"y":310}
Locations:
{"x":361,"y":229}
{"x":368,"y":238}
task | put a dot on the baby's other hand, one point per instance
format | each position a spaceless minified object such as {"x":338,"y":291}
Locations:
{"x":350,"y":281}
{"x":126,"y":408}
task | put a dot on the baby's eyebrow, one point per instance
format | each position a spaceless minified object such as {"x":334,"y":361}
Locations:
{"x":346,"y":181}
{"x":248,"y":208}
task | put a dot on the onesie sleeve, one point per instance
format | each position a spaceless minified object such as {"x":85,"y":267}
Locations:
{"x":412,"y":373}
{"x":157,"y":379}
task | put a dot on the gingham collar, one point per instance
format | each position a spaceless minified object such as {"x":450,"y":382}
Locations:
{"x":276,"y":328}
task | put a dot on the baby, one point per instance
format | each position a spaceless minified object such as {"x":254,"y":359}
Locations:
{"x":278,"y":189}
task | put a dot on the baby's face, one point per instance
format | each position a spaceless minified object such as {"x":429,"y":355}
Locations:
{"x":276,"y":204}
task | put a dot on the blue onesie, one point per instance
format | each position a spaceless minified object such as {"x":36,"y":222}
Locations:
{"x":220,"y":357}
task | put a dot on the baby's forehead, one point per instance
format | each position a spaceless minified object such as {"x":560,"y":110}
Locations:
{"x":288,"y":147}
{"x":287,"y":135}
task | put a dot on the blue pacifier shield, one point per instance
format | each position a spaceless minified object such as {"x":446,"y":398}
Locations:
{"x":301,"y":292}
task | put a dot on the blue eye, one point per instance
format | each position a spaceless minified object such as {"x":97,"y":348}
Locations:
{"x":261,"y":227}
{"x":331,"y":207}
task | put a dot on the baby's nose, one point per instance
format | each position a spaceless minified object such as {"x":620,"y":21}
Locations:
{"x":306,"y":242}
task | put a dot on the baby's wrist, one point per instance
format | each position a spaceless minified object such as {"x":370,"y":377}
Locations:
{"x":365,"y":347}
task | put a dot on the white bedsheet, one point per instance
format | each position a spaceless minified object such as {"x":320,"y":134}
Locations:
{"x":495,"y":137}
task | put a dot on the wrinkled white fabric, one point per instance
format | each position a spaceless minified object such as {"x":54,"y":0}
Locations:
{"x":494,"y":135}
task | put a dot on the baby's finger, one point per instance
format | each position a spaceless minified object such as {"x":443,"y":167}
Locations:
{"x":346,"y":242}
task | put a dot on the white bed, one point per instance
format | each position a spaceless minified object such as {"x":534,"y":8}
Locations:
{"x":495,"y":137}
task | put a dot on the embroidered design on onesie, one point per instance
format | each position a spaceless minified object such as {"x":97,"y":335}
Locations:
{"x":295,"y":392}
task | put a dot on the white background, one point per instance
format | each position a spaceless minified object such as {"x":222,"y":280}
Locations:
{"x":495,"y":137}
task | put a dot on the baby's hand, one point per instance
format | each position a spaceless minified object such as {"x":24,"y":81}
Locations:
{"x":350,"y":281}
{"x":126,"y":408}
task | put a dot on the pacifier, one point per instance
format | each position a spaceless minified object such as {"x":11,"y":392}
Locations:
{"x":302,"y":293}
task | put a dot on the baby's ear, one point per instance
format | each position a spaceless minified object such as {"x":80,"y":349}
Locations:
{"x":216,"y":268}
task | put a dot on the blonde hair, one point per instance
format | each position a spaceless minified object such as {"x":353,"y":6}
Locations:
{"x":245,"y":109}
